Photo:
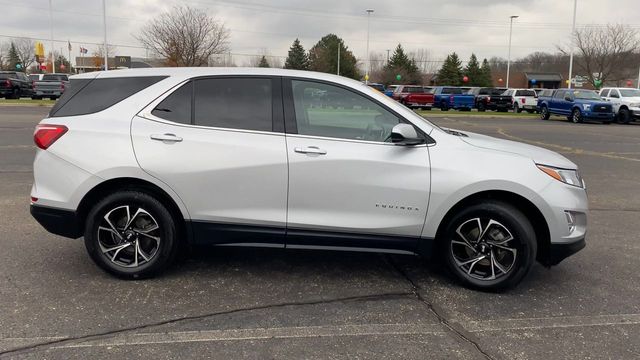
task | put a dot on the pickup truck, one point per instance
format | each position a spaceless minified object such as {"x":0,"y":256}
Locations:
{"x":523,"y":99}
{"x":51,"y":86}
{"x":448,"y":97}
{"x":14,"y":84}
{"x":625,"y":102}
{"x":390,"y":89}
{"x":413,"y":96}
{"x":576,"y":105}
{"x":491,"y":99}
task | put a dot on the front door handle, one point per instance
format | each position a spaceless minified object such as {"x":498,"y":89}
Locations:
{"x":166,"y":137}
{"x":310,"y":150}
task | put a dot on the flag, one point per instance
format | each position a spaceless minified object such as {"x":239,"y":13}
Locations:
{"x":83,"y":50}
{"x":69,"y":45}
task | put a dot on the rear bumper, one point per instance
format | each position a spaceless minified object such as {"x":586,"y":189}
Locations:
{"x":559,"y":252}
{"x":57,"y":221}
{"x":46,"y":93}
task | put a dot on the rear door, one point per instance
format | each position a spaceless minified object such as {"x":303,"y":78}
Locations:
{"x":348,"y":185}
{"x":219,"y":144}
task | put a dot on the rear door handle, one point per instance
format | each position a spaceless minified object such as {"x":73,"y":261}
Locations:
{"x":310,"y":150}
{"x":166,"y":137}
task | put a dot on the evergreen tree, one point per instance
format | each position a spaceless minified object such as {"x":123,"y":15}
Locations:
{"x":263,"y":62}
{"x":451,"y":71}
{"x":13,"y":58}
{"x":297,"y":58}
{"x":485,"y":72}
{"x":401,"y":64}
{"x":473,"y":72}
{"x":323,"y":57}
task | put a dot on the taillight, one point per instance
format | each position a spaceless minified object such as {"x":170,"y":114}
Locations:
{"x":451,"y":99}
{"x":488,"y":98}
{"x":62,"y":86}
{"x":45,"y":134}
{"x":7,"y":83}
{"x":33,"y":85}
{"x":522,"y":100}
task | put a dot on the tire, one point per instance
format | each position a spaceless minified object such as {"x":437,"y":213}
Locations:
{"x":498,"y":221}
{"x":444,"y":106}
{"x":576,"y":116}
{"x":624,"y":116}
{"x":516,"y":108}
{"x":427,"y":108}
{"x":15,"y":94}
{"x":113,"y":248}
{"x":481,"y":107}
{"x":544,"y":113}
{"x":36,"y":97}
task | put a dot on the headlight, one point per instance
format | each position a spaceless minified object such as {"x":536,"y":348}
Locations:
{"x":634,"y":105}
{"x":586,"y":107}
{"x":571,"y":177}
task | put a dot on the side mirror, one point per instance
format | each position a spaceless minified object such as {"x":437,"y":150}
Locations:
{"x":405,"y":134}
{"x":568,"y":98}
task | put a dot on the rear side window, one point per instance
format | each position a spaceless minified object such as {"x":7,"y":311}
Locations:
{"x":177,"y":106}
{"x":525,"y":93}
{"x":7,"y":76}
{"x":235,"y":103}
{"x":454,"y":91}
{"x":87,"y":96}
{"x":55,"y":77}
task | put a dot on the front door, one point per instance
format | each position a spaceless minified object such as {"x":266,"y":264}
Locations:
{"x":348,"y":184}
{"x":219,"y":152}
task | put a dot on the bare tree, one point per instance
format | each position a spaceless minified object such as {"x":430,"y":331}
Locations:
{"x":185,"y":36}
{"x":4,"y":51}
{"x":604,"y":52}
{"x":25,"y":49}
{"x":425,"y":61}
{"x":98,"y":54}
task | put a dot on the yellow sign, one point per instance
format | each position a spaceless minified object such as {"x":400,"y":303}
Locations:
{"x":366,"y":77}
{"x":39,"y":50}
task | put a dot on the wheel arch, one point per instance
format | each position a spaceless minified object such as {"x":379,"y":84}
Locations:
{"x":113,"y":185}
{"x":529,"y":209}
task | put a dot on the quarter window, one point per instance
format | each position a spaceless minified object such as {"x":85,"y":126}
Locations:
{"x":177,"y":106}
{"x":331,"y":111}
{"x":235,"y":103}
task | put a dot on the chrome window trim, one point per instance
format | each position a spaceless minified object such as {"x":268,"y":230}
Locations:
{"x":349,"y":140}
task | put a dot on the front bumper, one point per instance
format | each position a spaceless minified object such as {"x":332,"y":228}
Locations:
{"x":598,"y":116}
{"x":559,"y":252}
{"x":57,"y":221}
{"x":635,"y":113}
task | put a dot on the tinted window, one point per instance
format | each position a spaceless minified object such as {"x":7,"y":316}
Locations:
{"x":604,"y":92}
{"x":177,"y":106}
{"x":34,"y":77}
{"x":630,"y":92}
{"x":560,"y":94}
{"x":331,"y":111}
{"x":525,"y":93}
{"x":414,"y":89}
{"x":614,"y":93}
{"x":7,"y":75}
{"x":236,"y":103}
{"x":55,"y":77}
{"x":451,"y":91}
{"x":586,"y":95}
{"x":88,"y":96}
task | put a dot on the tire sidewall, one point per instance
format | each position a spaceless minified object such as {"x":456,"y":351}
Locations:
{"x":168,"y":243}
{"x":578,"y":119}
{"x":515,"y":222}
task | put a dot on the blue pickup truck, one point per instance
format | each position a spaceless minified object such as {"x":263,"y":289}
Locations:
{"x":448,"y":97}
{"x":576,"y":104}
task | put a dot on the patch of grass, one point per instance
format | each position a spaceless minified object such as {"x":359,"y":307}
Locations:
{"x":27,"y":102}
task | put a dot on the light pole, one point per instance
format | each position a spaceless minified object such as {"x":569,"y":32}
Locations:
{"x":104,"y":24}
{"x":509,"y":54}
{"x":573,"y":32}
{"x":366,"y":76}
{"x":53,"y":59}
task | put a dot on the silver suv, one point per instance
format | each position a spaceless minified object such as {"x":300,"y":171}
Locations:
{"x":143,"y":162}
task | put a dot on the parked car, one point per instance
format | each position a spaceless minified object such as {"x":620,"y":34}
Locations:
{"x":377,"y":86}
{"x":414,"y":96}
{"x":51,"y":86}
{"x":538,"y":90}
{"x":35,"y":77}
{"x":14,"y":84}
{"x":625,"y":102}
{"x":576,"y":105}
{"x":449,"y":97}
{"x":390,"y":89}
{"x":176,"y":158}
{"x":491,"y":99}
{"x":523,"y":99}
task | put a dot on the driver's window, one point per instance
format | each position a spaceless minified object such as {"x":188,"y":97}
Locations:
{"x":331,"y":111}
{"x":614,"y":93}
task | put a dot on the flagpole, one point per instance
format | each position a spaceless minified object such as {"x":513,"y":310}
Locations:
{"x":53,"y":61}
{"x":104,"y":19}
{"x":69,"y":48}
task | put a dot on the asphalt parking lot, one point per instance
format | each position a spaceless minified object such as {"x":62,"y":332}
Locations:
{"x":228,"y":303}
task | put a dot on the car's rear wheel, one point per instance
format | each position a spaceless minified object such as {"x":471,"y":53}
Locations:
{"x":444,"y":106}
{"x":130,"y":234}
{"x":516,"y":108}
{"x":489,"y":245}
{"x":624,"y":116}
{"x":544,"y":113}
{"x":15,"y":94}
{"x":576,"y":116}
{"x":481,"y":107}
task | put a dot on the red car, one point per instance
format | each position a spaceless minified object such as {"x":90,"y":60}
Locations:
{"x":414,"y":96}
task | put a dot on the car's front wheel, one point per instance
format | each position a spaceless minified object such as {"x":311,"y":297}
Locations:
{"x":131,"y":234}
{"x":576,"y":116}
{"x":490,"y":245}
{"x":544,"y":113}
{"x":624,"y":116}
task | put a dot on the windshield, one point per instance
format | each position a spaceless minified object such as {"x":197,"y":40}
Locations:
{"x":414,"y":89}
{"x":586,"y":95}
{"x":630,"y":92}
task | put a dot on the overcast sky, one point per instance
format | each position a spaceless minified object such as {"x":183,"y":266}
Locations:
{"x":464,"y":26}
